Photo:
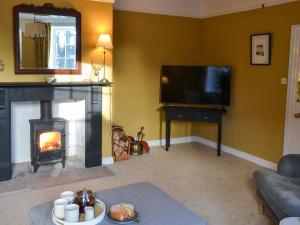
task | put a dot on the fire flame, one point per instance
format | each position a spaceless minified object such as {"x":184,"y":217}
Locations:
{"x":50,"y":141}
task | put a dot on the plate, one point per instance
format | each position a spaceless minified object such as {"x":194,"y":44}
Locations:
{"x":100,"y":210}
{"x":135,"y":219}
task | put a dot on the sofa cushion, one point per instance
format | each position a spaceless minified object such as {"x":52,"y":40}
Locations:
{"x":282,"y":194}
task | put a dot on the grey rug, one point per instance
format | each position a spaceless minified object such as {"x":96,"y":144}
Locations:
{"x":155,"y":206}
{"x":51,"y":175}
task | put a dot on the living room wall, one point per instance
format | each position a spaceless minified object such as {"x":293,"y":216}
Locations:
{"x":96,"y":18}
{"x":142,"y":43}
{"x":255,"y":121}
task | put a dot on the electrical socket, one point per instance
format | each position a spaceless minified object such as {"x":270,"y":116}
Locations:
{"x":283,"y":81}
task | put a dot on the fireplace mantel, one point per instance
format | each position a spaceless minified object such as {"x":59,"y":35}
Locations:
{"x":19,"y":92}
{"x":55,"y":84}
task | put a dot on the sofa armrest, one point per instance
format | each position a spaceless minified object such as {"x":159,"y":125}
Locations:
{"x":289,"y":166}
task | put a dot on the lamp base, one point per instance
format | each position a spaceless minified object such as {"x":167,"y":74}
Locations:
{"x":104,"y":80}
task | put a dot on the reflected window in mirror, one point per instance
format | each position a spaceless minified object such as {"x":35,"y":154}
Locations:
{"x":63,"y":47}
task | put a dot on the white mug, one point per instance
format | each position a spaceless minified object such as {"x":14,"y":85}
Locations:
{"x":59,"y":207}
{"x":72,"y":213}
{"x":89,"y":213}
{"x":69,"y":195}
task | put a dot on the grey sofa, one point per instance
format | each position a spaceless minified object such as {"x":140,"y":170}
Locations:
{"x":279,"y":191}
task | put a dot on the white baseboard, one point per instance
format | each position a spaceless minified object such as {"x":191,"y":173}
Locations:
{"x":213,"y":144}
{"x":238,"y":153}
{"x":179,"y":140}
{"x":107,"y":161}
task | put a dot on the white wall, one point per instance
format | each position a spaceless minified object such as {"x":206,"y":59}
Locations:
{"x":223,"y":7}
{"x":188,"y":8}
{"x":193,"y":8}
{"x":22,"y":112}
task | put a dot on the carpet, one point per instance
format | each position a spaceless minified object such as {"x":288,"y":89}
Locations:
{"x":218,"y":189}
{"x":24,"y":179}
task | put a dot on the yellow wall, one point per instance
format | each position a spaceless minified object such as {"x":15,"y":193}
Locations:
{"x":96,"y":18}
{"x":142,"y":43}
{"x":255,"y":121}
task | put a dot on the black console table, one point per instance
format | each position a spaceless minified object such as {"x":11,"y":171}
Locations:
{"x":208,"y":115}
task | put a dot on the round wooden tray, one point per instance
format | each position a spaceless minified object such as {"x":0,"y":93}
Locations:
{"x":100,"y":210}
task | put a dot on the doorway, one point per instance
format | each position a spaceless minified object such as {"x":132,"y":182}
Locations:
{"x":292,"y":123}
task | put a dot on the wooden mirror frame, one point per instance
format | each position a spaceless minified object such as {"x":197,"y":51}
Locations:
{"x":51,"y":10}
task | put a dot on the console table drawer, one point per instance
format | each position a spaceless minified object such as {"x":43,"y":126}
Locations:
{"x":193,"y":116}
{"x":174,"y":115}
{"x":207,"y":117}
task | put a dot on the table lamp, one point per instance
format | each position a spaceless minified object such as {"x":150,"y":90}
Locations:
{"x":105,"y":43}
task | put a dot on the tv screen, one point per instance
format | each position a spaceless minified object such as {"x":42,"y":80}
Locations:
{"x":209,"y":85}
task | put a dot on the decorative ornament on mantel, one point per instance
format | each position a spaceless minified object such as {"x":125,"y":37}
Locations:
{"x":96,"y":69}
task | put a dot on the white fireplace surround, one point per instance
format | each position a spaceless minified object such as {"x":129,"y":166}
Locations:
{"x":22,"y":112}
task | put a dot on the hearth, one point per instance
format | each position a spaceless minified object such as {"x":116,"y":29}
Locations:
{"x":48,"y":137}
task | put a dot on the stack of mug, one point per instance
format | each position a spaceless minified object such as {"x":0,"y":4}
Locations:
{"x":65,"y":209}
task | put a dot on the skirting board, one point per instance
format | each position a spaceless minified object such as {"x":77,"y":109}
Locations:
{"x":174,"y":141}
{"x":107,"y":161}
{"x":212,"y":144}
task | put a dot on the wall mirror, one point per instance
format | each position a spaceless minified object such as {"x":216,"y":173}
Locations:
{"x":47,"y":40}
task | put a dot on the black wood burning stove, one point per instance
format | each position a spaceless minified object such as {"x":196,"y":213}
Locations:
{"x":48,"y":137}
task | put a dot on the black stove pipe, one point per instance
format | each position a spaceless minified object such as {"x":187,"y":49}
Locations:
{"x":46,"y":110}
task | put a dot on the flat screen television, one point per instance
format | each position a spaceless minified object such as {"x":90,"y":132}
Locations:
{"x":205,"y":85}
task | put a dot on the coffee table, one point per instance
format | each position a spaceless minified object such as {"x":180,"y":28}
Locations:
{"x":155,"y":206}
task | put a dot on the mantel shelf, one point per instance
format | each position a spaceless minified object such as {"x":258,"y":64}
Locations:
{"x":56,"y":84}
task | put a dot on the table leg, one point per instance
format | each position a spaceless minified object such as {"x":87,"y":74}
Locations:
{"x":219,"y":136}
{"x":168,"y":134}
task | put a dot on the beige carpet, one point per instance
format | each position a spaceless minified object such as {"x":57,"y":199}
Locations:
{"x":220,"y":190}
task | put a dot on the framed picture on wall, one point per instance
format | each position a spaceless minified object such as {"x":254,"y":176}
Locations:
{"x":260,"y":49}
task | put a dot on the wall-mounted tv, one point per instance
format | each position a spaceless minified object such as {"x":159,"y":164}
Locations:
{"x":207,"y":85}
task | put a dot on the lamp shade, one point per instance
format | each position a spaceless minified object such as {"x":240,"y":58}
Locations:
{"x":35,"y":30}
{"x":104,"y":41}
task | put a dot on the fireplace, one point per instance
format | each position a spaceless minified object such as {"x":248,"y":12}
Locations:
{"x":20,"y":92}
{"x":48,"y":137}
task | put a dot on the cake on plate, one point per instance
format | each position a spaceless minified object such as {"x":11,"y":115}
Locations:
{"x":122,"y":211}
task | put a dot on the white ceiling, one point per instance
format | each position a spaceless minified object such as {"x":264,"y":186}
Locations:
{"x":193,"y":8}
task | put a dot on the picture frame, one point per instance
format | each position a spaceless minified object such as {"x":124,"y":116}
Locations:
{"x":260,"y":49}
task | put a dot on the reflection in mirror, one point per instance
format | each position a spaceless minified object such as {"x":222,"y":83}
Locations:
{"x":47,"y":41}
